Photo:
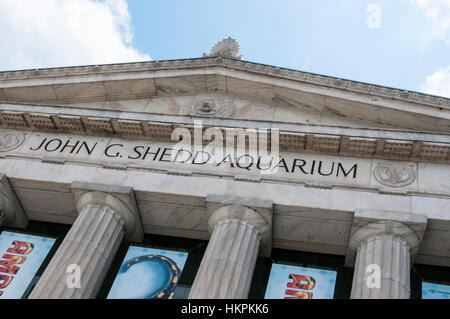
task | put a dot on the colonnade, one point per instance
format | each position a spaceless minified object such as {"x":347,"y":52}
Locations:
{"x":381,"y":244}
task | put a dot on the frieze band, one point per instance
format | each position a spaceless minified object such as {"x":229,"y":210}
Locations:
{"x":298,"y":166}
{"x":200,"y":157}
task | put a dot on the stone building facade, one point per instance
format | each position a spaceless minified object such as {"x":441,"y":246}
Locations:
{"x":363,"y":170}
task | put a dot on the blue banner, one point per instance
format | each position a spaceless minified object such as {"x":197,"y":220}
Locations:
{"x":435,"y":291}
{"x":21,"y":257}
{"x":291,"y":282}
{"x":148,"y":273}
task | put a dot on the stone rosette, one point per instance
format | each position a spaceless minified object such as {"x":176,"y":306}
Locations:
{"x":211,"y":107}
{"x":394,"y":174}
{"x":10,"y":140}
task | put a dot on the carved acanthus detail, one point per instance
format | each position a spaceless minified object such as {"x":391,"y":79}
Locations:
{"x":228,"y":48}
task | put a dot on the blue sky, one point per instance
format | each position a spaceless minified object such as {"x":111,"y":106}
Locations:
{"x":323,"y":36}
{"x":402,"y":43}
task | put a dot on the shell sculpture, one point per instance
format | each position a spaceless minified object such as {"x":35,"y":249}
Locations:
{"x":228,"y":47}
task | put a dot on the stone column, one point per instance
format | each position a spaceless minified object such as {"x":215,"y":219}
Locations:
{"x":238,"y":235}
{"x":384,"y":251}
{"x":89,"y":247}
{"x":11,"y":211}
{"x":2,"y":217}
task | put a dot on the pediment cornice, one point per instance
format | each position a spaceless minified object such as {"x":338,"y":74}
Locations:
{"x":124,"y":71}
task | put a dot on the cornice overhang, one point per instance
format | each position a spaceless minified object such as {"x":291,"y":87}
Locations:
{"x":236,"y":64}
{"x":268,"y":84}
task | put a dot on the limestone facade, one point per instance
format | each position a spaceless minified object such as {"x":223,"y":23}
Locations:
{"x":363,"y":170}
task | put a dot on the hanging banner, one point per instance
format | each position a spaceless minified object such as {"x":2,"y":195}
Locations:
{"x":21,"y":257}
{"x":148,"y":273}
{"x":435,"y":291}
{"x":291,"y":282}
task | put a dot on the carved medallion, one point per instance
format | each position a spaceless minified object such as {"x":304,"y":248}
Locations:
{"x":211,"y":106}
{"x":394,"y":174}
{"x":10,"y":141}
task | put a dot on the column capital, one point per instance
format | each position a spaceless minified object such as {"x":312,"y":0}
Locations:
{"x":13,"y":213}
{"x":121,"y":199}
{"x":369,"y":223}
{"x":255,"y":212}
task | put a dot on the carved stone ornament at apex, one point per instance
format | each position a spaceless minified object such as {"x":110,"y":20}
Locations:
{"x":228,"y":47}
{"x":10,"y":141}
{"x":210,"y":106}
{"x":394,"y":174}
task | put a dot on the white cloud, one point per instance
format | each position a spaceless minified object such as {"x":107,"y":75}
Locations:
{"x":438,"y":83}
{"x":438,"y":12}
{"x":47,"y":33}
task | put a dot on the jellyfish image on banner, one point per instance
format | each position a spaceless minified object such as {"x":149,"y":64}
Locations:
{"x":148,"y":273}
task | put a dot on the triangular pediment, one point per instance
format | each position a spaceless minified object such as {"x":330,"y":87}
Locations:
{"x":227,"y":106}
{"x":227,"y":88}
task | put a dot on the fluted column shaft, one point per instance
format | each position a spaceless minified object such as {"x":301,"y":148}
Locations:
{"x":91,"y":245}
{"x":388,"y":257}
{"x":227,"y":267}
{"x":383,"y":258}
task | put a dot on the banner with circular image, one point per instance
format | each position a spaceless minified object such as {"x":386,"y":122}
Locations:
{"x":148,"y":273}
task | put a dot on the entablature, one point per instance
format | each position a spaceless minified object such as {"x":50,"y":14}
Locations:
{"x":331,"y":140}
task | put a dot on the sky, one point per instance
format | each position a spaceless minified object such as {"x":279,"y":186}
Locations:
{"x":403,"y":44}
